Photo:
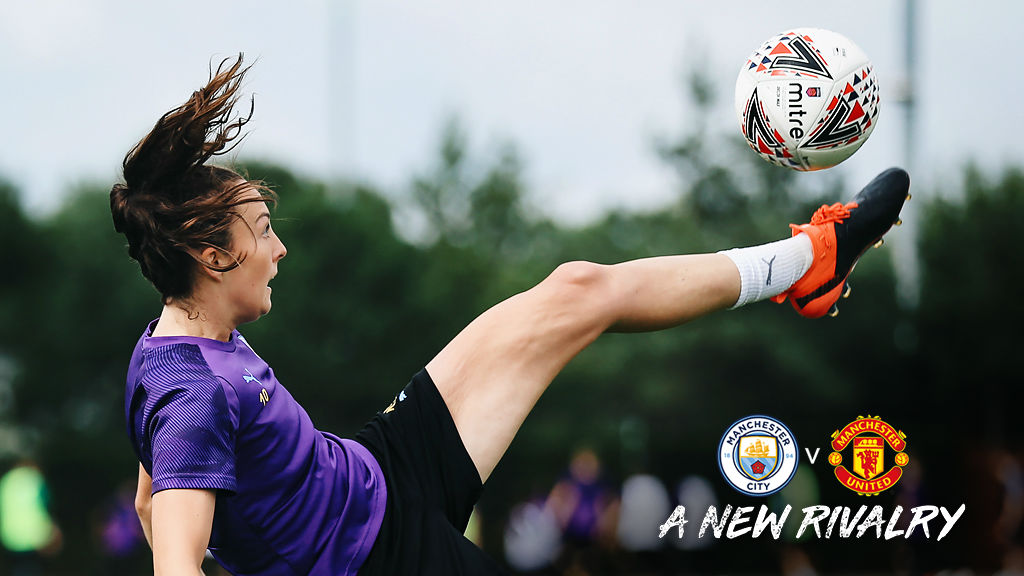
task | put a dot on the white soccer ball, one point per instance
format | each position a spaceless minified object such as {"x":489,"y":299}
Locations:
{"x":807,"y":99}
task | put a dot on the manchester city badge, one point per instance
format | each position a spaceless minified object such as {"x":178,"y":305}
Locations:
{"x":758,"y":455}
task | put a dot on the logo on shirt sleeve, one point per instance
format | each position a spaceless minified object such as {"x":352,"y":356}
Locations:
{"x":249,"y":378}
{"x":391,"y":407}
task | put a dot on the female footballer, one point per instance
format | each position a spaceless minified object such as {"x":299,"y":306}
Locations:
{"x":230,"y":461}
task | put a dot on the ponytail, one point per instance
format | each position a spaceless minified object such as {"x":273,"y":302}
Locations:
{"x":172,"y":204}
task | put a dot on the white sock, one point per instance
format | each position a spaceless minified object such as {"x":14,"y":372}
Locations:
{"x":770,"y":269}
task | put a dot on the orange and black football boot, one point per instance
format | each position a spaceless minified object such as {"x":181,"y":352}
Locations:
{"x":840,"y":234}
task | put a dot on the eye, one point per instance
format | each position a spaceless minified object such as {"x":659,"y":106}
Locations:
{"x":266,"y":231}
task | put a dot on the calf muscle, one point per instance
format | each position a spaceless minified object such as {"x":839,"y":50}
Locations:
{"x":494,"y":371}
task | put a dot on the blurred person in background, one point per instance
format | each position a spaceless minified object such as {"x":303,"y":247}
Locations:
{"x":644,"y":506}
{"x":27,"y":531}
{"x":532,"y":538}
{"x":118,"y":531}
{"x":584,"y":505}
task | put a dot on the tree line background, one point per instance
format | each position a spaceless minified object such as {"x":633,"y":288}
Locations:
{"x":375,"y":283}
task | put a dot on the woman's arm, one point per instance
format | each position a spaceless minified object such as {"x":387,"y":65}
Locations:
{"x":181,"y":524}
{"x":144,"y":504}
{"x":182,"y":527}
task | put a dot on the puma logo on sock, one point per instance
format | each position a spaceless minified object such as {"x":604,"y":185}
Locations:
{"x":768,"y":280}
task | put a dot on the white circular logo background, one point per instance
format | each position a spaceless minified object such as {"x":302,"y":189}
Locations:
{"x":758,"y":455}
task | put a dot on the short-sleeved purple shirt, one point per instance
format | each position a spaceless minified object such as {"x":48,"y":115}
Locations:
{"x":208,"y":414}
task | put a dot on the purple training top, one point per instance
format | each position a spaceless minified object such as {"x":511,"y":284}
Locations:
{"x":290,"y":499}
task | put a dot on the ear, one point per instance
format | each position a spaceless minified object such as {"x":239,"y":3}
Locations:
{"x":212,"y":257}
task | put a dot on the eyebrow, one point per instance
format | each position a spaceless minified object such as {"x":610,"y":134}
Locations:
{"x":264,"y":214}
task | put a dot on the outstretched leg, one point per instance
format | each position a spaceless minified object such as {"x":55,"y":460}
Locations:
{"x":492,"y":374}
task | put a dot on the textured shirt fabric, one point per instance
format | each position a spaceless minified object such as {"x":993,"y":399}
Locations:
{"x":291,"y":499}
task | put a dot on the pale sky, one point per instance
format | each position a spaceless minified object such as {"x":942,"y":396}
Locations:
{"x":582,"y":88}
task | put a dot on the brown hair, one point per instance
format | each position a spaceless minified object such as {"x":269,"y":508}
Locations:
{"x":172,"y":205}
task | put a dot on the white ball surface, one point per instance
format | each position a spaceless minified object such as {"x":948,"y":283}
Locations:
{"x":807,"y":99}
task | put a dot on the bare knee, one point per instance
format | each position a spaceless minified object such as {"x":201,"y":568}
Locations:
{"x":578,"y":273}
{"x":577,"y":278}
{"x":581,"y":288}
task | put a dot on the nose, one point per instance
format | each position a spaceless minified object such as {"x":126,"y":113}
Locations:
{"x":281,"y":251}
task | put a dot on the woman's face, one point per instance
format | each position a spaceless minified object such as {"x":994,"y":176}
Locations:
{"x":259,"y":249}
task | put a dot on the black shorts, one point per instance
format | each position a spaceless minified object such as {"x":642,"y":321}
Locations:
{"x":432,"y":486}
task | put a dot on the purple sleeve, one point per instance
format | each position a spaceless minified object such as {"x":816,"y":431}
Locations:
{"x":193,"y":429}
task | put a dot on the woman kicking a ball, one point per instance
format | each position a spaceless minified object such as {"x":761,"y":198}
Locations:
{"x":230,"y":462}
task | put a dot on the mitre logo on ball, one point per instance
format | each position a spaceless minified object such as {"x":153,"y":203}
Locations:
{"x":807,"y":99}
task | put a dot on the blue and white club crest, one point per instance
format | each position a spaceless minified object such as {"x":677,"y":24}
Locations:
{"x":758,"y":455}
